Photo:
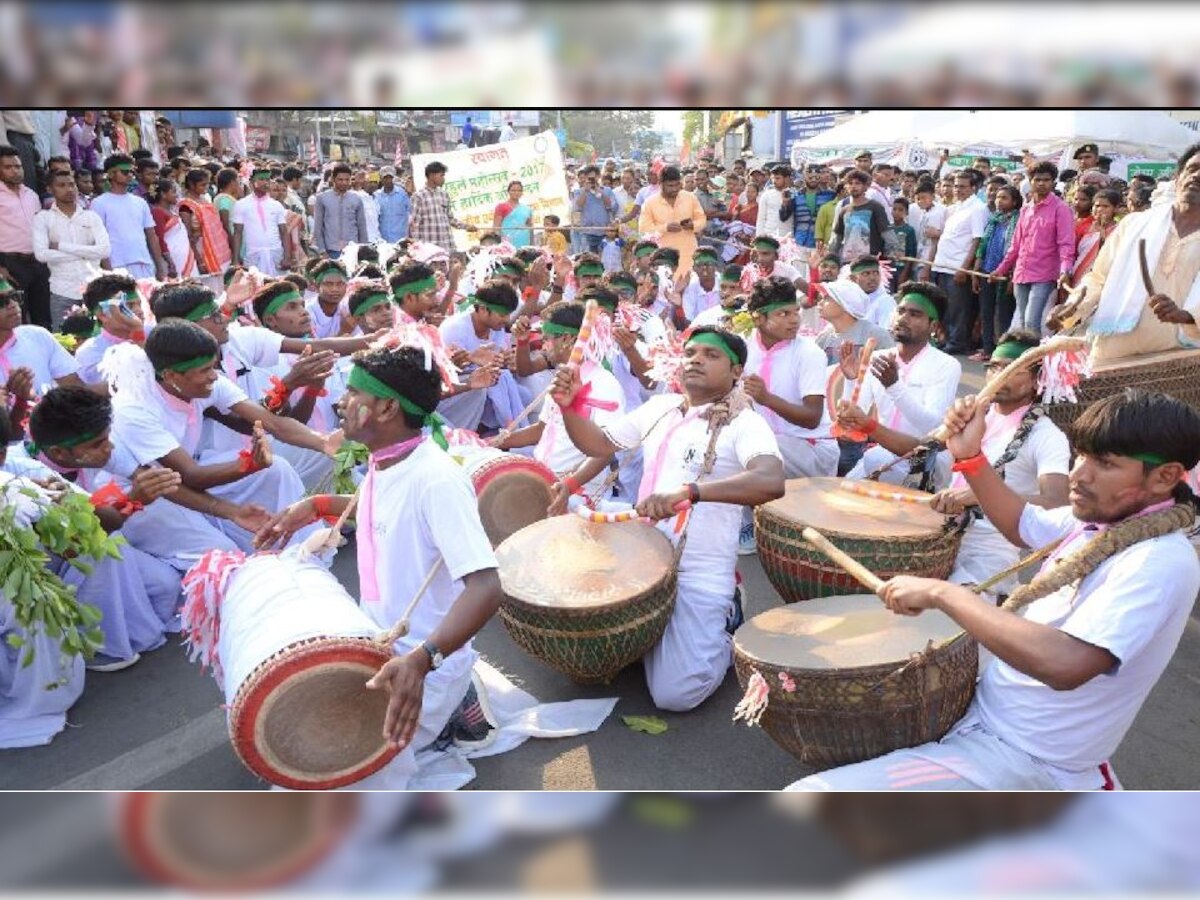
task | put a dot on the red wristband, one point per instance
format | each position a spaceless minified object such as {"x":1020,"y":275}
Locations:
{"x":112,"y":495}
{"x":313,"y":391}
{"x":276,"y":398}
{"x":523,"y":339}
{"x":871,"y":427}
{"x":572,"y":484}
{"x":321,"y":506}
{"x":972,"y":465}
{"x":246,"y":463}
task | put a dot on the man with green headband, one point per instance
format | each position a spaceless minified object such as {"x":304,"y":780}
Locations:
{"x":330,"y":277}
{"x":731,"y":299}
{"x":1072,"y":668}
{"x":260,"y":228}
{"x":700,"y":290}
{"x":126,"y":217}
{"x":766,"y":262}
{"x":881,"y":306}
{"x":910,"y":387}
{"x":116,"y":306}
{"x":689,"y":456}
{"x":417,"y":509}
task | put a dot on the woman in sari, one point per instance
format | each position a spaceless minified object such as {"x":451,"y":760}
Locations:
{"x":512,"y":218}
{"x":746,"y":211}
{"x":172,"y":234}
{"x":205,"y":231}
{"x":1104,"y":210}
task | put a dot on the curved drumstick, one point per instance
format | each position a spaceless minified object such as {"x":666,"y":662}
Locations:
{"x":1147,"y":281}
{"x":400,"y":629}
{"x":852,"y":566}
{"x":864,"y":364}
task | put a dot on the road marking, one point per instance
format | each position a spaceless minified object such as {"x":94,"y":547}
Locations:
{"x":143,"y":765}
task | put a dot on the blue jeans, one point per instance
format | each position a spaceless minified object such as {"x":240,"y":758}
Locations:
{"x":591,"y":241}
{"x":1031,"y":302}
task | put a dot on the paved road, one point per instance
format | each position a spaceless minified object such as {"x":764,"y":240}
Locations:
{"x":159,"y":725}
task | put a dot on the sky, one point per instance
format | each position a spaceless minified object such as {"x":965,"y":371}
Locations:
{"x":669,"y":120}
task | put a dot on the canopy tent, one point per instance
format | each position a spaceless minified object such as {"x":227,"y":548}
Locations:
{"x":1149,"y":134}
{"x":892,"y":135}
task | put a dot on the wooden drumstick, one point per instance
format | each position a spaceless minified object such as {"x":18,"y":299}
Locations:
{"x":864,"y":364}
{"x":400,"y":629}
{"x":1147,"y":281}
{"x":852,"y":566}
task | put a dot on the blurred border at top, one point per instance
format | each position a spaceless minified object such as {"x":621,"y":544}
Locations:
{"x":676,"y":54}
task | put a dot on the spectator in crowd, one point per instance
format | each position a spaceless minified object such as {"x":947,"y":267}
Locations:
{"x":431,"y":218}
{"x":19,"y":205}
{"x":996,"y":303}
{"x":130,"y":225}
{"x":70,"y":240}
{"x":955,"y":260}
{"x":338,"y":215}
{"x":395,"y":206}
{"x":594,"y":207}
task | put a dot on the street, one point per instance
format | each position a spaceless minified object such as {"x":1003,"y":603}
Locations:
{"x":160,"y":725}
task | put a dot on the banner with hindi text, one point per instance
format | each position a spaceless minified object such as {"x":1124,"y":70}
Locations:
{"x":477,"y":180}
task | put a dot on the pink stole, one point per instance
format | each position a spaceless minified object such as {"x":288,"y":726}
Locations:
{"x":368,"y":556}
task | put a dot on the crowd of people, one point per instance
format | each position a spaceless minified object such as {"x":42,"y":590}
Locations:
{"x":191,"y":343}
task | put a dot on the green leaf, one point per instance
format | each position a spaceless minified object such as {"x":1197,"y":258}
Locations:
{"x":27,"y":658}
{"x":647,"y":724}
{"x":14,"y":640}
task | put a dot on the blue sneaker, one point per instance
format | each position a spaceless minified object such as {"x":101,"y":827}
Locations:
{"x":746,"y":544}
{"x":738,"y":616}
{"x":472,"y":727}
{"x":102,"y":662}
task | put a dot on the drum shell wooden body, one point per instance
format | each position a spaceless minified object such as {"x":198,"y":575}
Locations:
{"x":513,"y":490}
{"x":1175,"y":372}
{"x":840,"y":716}
{"x":588,"y":642}
{"x":926,"y":544}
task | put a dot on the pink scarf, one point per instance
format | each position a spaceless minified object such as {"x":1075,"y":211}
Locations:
{"x":768,"y":364}
{"x":650,"y":478}
{"x":1097,"y":528}
{"x":998,"y":431}
{"x":368,"y":557}
{"x":904,"y":368}
{"x":183,"y":406}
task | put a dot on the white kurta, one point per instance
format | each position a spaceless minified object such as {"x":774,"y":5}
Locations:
{"x":506,"y":398}
{"x":554,"y":449}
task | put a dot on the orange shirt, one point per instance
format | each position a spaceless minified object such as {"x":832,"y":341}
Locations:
{"x":657,"y":214}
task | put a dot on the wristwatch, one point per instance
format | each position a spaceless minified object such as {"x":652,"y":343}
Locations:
{"x":435,"y":656}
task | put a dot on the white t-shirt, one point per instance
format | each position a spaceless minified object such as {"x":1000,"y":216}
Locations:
{"x":965,"y":222}
{"x":126,"y":217}
{"x":323,"y":326}
{"x":696,"y":299}
{"x":792,"y":370}
{"x":645,"y":193}
{"x":36,"y":349}
{"x":770,"y":202}
{"x":673,"y":449}
{"x":89,"y":354}
{"x":249,"y":351}
{"x":151,"y":432}
{"x":1135,"y":605}
{"x":920,"y":219}
{"x":711,"y":316}
{"x":882,"y":306}
{"x":260,"y":219}
{"x":424,"y":507}
{"x":554,"y":449}
{"x":921,"y":396}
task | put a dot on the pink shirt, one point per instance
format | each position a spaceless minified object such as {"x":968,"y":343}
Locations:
{"x":17,"y":209}
{"x":1043,"y":244}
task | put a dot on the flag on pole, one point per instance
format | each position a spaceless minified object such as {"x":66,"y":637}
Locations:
{"x":314,"y":158}
{"x":398,"y":159}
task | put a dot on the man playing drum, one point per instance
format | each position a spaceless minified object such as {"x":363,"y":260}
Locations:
{"x":911,"y":387}
{"x":1103,"y":619}
{"x":417,"y":510}
{"x":709,"y":448}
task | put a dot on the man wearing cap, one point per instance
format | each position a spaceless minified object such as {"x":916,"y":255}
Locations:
{"x":365,"y":184}
{"x":843,"y":305}
{"x":675,"y":215}
{"x":692,"y":458}
{"x":911,"y":387}
{"x":260,"y":228}
{"x":775,"y":204}
{"x":135,"y":245}
{"x":394,"y":207}
{"x":863,"y":160}
{"x":880,"y":304}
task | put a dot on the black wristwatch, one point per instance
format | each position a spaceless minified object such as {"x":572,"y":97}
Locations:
{"x":435,"y":656}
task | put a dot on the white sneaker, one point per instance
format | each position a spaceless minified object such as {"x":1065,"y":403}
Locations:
{"x":102,"y":662}
{"x":746,"y":543}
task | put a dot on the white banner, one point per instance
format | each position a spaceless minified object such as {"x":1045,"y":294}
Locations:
{"x":477,"y":180}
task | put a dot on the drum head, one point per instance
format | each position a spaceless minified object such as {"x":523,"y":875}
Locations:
{"x":566,"y":562}
{"x":305,"y":720}
{"x":232,"y":841}
{"x":826,"y":506}
{"x":846,"y":632}
{"x":513,"y":492}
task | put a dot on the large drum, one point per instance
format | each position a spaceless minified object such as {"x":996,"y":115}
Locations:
{"x":889,"y":537}
{"x":849,"y":680}
{"x":1175,"y":372}
{"x":513,"y":490}
{"x":587,"y":599}
{"x":293,"y":652}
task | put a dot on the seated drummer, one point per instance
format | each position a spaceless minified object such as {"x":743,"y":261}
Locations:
{"x":690,"y":455}
{"x":911,"y":388}
{"x":578,"y":475}
{"x":1072,"y":669}
{"x":1026,"y":448}
{"x":417,"y":508}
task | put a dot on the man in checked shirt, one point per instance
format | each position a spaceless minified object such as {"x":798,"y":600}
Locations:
{"x":431,"y":218}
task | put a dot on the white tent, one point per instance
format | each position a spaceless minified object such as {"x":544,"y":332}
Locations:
{"x":1148,"y":134}
{"x":883,"y":129}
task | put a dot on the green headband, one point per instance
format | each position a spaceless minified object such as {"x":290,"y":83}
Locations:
{"x":203,"y":311}
{"x":715,"y":340}
{"x":370,"y":302}
{"x":771,"y":307}
{"x":362,"y":380}
{"x":34,"y":449}
{"x":329,"y":272}
{"x":588,"y":269}
{"x":275,"y":305}
{"x":414,"y":287}
{"x":1153,"y":459}
{"x":704,"y":259}
{"x":863,"y":266}
{"x":260,"y":174}
{"x":123,"y":166}
{"x":1010,"y":350}
{"x":923,"y":303}
{"x":188,"y":364}
{"x":765,"y":244}
{"x":604,"y":304}
{"x":727,"y":278}
{"x":5,"y":285}
{"x":551,"y":328}
{"x":509,"y":269}
{"x":490,"y":307}
{"x":639,"y":252}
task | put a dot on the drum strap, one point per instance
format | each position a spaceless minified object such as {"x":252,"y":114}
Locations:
{"x":1013,"y":450}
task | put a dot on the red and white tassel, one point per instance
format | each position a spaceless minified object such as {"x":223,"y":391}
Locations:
{"x":1061,"y":374}
{"x":203,"y":591}
{"x":754,"y":702}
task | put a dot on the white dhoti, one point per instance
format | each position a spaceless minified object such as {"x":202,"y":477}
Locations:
{"x":32,"y":713}
{"x":533,"y":385}
{"x":877,"y":457}
{"x":265,"y":259}
{"x":691,"y":660}
{"x":805,"y":458}
{"x":463,"y":410}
